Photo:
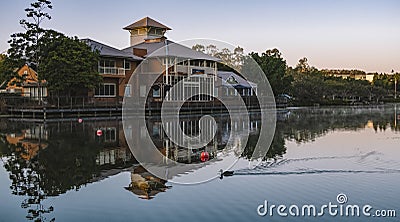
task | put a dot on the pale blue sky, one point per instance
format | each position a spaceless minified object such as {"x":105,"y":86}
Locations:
{"x":331,"y":34}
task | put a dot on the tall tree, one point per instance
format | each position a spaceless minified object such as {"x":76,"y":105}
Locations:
{"x":26,"y":45}
{"x":69,"y":65}
{"x":274,"y":67}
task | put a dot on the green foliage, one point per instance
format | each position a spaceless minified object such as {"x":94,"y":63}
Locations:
{"x":25,"y":46}
{"x":387,"y":81}
{"x":68,"y":64}
{"x":312,"y":86}
{"x":7,"y":69}
{"x":274,"y":67}
{"x":230,"y":60}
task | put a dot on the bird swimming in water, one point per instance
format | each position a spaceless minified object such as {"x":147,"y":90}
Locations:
{"x":225,"y":173}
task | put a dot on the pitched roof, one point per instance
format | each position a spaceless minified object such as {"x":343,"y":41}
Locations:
{"x":174,"y":49}
{"x":233,"y":79}
{"x":109,"y":51}
{"x":27,"y":76}
{"x":146,"y":22}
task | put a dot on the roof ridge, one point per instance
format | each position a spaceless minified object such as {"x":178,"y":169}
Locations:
{"x":146,"y":22}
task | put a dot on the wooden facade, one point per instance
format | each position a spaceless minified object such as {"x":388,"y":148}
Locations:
{"x":26,"y":84}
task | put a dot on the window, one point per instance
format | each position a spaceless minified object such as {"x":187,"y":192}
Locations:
{"x":107,"y":67}
{"x":142,"y":91}
{"x":198,"y":71}
{"x":156,"y":92}
{"x":152,"y":31}
{"x":156,"y":130}
{"x":110,"y":134}
{"x":171,"y":61}
{"x":232,"y":80}
{"x":128,"y":90}
{"x":142,"y":31}
{"x":107,"y":63}
{"x":127,"y":65}
{"x":105,"y":90}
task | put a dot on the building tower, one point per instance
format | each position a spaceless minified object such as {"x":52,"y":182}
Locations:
{"x":146,"y":29}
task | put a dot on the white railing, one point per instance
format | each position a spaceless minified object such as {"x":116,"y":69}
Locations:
{"x":186,"y":69}
{"x":111,"y":70}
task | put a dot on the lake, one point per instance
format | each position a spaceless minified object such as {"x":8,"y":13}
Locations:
{"x":319,"y":156}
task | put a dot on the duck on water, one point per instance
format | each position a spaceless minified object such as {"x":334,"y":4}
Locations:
{"x":225,"y":174}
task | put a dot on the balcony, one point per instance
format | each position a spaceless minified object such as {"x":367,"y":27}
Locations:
{"x":185,"y":69}
{"x":111,"y":71}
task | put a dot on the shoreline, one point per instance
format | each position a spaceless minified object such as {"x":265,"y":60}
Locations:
{"x":106,"y":114}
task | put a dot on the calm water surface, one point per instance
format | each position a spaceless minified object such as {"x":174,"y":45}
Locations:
{"x":64,"y":171}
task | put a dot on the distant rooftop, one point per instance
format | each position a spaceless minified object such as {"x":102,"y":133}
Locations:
{"x":146,"y":22}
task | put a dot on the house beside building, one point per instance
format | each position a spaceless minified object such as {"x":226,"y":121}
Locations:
{"x":26,"y":84}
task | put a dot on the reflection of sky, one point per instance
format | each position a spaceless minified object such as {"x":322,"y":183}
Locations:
{"x":332,"y":34}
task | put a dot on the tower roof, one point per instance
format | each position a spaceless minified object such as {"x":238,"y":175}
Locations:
{"x":146,"y":22}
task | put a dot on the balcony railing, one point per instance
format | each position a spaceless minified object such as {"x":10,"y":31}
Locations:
{"x":111,"y":70}
{"x":186,"y":69}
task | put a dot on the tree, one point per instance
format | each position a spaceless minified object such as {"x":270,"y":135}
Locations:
{"x":303,"y":66}
{"x":199,"y":47}
{"x":274,"y":67}
{"x":66,"y":64}
{"x":69,"y":65}
{"x":25,"y":46}
{"x":230,"y":60}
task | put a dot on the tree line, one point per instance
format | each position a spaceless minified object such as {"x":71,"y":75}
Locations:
{"x":307,"y":84}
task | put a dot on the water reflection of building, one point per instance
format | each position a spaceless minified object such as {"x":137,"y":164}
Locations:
{"x":145,"y":185}
{"x":115,"y":151}
{"x":29,"y":141}
{"x":190,"y":126}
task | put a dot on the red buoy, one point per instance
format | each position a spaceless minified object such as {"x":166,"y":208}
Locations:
{"x":99,"y":132}
{"x":204,"y":156}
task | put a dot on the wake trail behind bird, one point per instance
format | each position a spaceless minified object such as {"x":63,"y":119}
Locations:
{"x":365,"y":163}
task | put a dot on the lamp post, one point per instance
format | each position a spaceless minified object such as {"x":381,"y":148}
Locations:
{"x":395,"y":84}
{"x":395,"y":87}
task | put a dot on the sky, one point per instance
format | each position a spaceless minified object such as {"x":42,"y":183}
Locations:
{"x":338,"y":34}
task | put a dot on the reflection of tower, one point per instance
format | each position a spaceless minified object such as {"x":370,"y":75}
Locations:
{"x":145,"y":185}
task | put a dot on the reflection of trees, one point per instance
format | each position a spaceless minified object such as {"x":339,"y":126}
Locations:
{"x":276,"y":149}
{"x":26,"y":181}
{"x":68,"y":161}
{"x":306,"y":125}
